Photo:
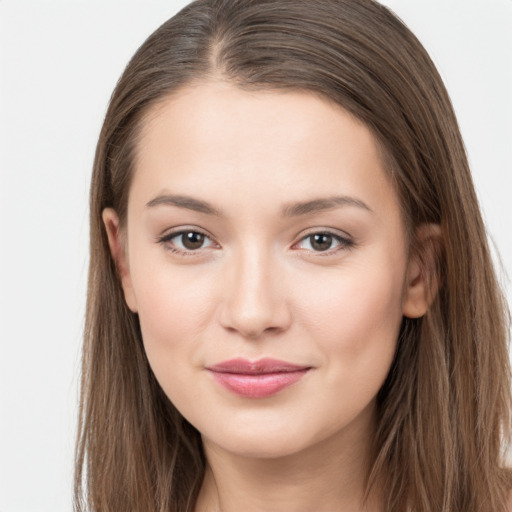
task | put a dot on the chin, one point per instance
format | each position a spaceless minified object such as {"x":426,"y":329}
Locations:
{"x":270,"y":440}
{"x":260,"y":446}
{"x":278,"y":436}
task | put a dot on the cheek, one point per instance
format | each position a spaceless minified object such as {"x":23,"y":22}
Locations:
{"x":174,"y":306}
{"x":355,"y":320}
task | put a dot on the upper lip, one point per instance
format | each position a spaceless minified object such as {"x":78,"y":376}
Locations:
{"x":262,"y":366}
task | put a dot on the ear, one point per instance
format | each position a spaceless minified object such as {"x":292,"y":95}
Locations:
{"x":117,"y":246}
{"x":422,"y":279}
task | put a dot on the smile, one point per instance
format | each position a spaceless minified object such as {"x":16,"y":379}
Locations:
{"x":257,"y":379}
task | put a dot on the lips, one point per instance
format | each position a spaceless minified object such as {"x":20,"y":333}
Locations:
{"x":258,"y":379}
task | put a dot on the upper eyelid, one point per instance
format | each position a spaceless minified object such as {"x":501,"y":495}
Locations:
{"x":299,"y":236}
{"x":340,"y":239}
{"x":166,"y":238}
{"x":329,"y":231}
{"x":171,"y":233}
{"x":344,"y":240}
{"x":338,"y":234}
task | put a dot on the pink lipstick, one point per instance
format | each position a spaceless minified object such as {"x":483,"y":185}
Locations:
{"x":257,"y":379}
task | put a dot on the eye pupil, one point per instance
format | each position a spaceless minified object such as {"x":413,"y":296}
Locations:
{"x":321,"y":242}
{"x":192,"y":240}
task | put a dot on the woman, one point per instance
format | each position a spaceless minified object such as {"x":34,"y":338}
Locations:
{"x":291,"y":300}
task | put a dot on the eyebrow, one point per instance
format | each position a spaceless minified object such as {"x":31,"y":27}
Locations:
{"x":186,"y":202}
{"x":318,"y":205}
{"x":290,"y":210}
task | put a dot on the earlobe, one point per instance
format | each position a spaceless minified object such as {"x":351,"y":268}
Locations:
{"x":118,"y":252}
{"x":422,"y":279}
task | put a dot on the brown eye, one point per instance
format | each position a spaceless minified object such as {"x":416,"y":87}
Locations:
{"x":192,"y":240}
{"x":321,"y":241}
{"x":324,"y":242}
{"x":186,"y":241}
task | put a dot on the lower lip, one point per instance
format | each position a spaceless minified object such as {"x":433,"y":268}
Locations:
{"x":258,"y":386}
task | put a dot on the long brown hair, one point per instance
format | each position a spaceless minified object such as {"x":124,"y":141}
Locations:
{"x":444,"y":410}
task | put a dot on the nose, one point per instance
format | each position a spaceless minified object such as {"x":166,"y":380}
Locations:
{"x":255,"y":301}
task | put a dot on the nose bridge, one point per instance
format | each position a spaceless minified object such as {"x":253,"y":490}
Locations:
{"x":255,"y":302}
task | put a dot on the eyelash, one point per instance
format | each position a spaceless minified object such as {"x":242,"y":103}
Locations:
{"x":344,"y":242}
{"x":166,"y":239}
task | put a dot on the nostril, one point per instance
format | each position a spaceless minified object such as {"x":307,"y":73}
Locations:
{"x":253,"y":304}
{"x":255,"y":322}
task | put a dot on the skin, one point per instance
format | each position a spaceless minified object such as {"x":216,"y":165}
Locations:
{"x":260,"y":287}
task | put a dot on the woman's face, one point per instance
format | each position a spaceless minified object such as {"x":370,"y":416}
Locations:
{"x":266,"y":256}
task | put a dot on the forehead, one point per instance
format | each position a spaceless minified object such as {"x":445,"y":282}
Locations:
{"x":219,"y":113}
{"x":213,"y":136}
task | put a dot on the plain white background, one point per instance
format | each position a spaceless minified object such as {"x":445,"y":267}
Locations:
{"x":59,"y":61}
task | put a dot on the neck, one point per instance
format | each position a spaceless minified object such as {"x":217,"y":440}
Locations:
{"x":330,"y":475}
